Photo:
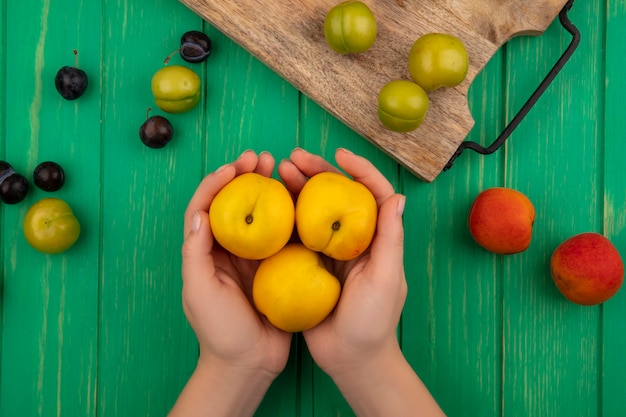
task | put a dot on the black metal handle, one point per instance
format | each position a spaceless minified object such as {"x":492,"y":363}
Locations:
{"x":573,"y":30}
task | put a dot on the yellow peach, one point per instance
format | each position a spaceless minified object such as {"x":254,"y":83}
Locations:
{"x":252,"y":217}
{"x":336,"y":215}
{"x":294,"y":290}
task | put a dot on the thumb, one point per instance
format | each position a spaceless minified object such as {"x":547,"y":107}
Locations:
{"x":196,"y":252}
{"x":388,"y":245}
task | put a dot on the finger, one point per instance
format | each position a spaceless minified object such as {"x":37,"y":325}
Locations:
{"x":247,"y":162}
{"x":310,"y":164}
{"x":363,"y":171}
{"x":197,"y":262}
{"x":206,"y":191}
{"x":301,"y":166}
{"x":387,"y":249}
{"x":293,"y":178}
{"x":265,"y":164}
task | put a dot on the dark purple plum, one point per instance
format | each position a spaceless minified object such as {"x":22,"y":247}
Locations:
{"x":71,"y":82}
{"x":195,"y":46}
{"x":49,"y":176}
{"x":13,"y":186}
{"x":156,"y":132}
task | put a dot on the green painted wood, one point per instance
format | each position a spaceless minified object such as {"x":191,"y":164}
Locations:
{"x":100,"y":330}
{"x":613,"y":393}
{"x":452,"y":319}
{"x":144,"y":194}
{"x":2,"y":147}
{"x":50,"y":303}
{"x":551,"y":365}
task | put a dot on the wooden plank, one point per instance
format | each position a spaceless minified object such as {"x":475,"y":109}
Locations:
{"x":288,"y":36}
{"x":50,"y":302}
{"x":83,"y":330}
{"x":551,"y":346}
{"x":145,"y":340}
{"x":3,"y":57}
{"x":451,"y":323}
{"x":613,"y":312}
{"x":248,"y":106}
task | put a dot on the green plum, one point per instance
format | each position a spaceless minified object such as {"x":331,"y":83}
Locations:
{"x":176,"y":89}
{"x":50,"y":226}
{"x":402,"y":105}
{"x":350,"y":27}
{"x":438,"y":60}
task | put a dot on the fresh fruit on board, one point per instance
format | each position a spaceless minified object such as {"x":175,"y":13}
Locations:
{"x":587,"y":268}
{"x":156,"y":131}
{"x":71,"y":82}
{"x":50,"y":226}
{"x":501,"y":220}
{"x":294,"y":290}
{"x":49,"y":176}
{"x":13,"y":185}
{"x":252,"y":216}
{"x":402,"y":105}
{"x":176,"y":88}
{"x":336,"y":215}
{"x":438,"y":60}
{"x":350,"y":27}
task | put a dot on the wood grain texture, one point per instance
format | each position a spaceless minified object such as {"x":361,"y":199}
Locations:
{"x":547,"y":339}
{"x":143,"y":194}
{"x":50,"y":303}
{"x":470,"y":294}
{"x":288,"y":37}
{"x":613,"y":395}
{"x":100,"y":329}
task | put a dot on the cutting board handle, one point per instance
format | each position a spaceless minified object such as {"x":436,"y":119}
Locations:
{"x":569,"y":51}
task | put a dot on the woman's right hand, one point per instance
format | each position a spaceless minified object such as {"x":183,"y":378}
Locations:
{"x":357,"y":344}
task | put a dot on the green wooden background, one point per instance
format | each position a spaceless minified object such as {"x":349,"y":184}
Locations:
{"x":99,"y":330}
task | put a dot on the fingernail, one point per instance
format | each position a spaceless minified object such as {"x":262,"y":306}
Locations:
{"x":244,"y":152}
{"x":347,"y":151}
{"x":196,"y":221}
{"x":220,"y":169}
{"x":401,"y":204}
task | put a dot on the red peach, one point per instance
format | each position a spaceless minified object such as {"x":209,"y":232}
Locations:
{"x":501,"y":220}
{"x":587,"y":269}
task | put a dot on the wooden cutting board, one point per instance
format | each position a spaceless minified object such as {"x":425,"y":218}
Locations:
{"x":287,"y":35}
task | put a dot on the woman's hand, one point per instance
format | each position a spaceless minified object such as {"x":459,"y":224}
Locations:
{"x":374,"y":286}
{"x":357,"y":344}
{"x":241,"y":353}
